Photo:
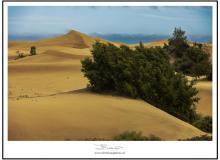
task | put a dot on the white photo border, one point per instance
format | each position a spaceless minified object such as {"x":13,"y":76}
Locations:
{"x":130,"y":149}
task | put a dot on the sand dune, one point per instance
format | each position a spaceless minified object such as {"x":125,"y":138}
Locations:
{"x":46,"y":101}
{"x":46,"y":67}
{"x":50,"y":56}
{"x":204,"y":106}
{"x":72,"y":39}
{"x":67,"y":50}
{"x":152,"y":44}
{"x":84,"y":115}
{"x":44,"y":83}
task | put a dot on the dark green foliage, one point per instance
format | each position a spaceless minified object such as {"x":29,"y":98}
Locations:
{"x":33,"y":50}
{"x":198,"y":138}
{"x":204,"y":123}
{"x":177,"y":44}
{"x":135,"y":136}
{"x":209,"y":73}
{"x":195,"y":62}
{"x":141,"y":73}
{"x":141,"y":45}
{"x":190,"y":60}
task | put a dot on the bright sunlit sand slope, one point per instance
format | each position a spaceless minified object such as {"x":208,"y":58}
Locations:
{"x":80,"y":115}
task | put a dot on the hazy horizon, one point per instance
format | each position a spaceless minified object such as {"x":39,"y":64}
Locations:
{"x":114,"y":37}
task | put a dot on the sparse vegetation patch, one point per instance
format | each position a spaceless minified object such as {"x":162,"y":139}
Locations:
{"x":135,"y":136}
{"x":19,"y":55}
{"x":198,"y":138}
{"x":204,"y":123}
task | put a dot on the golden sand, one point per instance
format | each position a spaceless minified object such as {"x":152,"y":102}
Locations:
{"x":47,"y":100}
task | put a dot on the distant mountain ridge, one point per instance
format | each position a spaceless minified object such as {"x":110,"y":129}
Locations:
{"x":136,"y":38}
{"x":122,"y":38}
{"x":30,"y":37}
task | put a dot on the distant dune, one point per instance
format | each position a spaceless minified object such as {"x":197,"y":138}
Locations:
{"x":152,"y":44}
{"x":71,"y":39}
{"x":47,"y":100}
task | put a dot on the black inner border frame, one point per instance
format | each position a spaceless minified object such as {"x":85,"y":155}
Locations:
{"x":94,"y":158}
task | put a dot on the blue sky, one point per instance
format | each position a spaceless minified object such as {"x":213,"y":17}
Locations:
{"x":194,"y":20}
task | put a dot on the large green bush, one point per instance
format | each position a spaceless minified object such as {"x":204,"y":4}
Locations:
{"x":141,"y":73}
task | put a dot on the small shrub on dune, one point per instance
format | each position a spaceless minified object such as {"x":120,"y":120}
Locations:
{"x":198,"y":138}
{"x":135,"y":136}
{"x":33,"y":51}
{"x":19,"y":55}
